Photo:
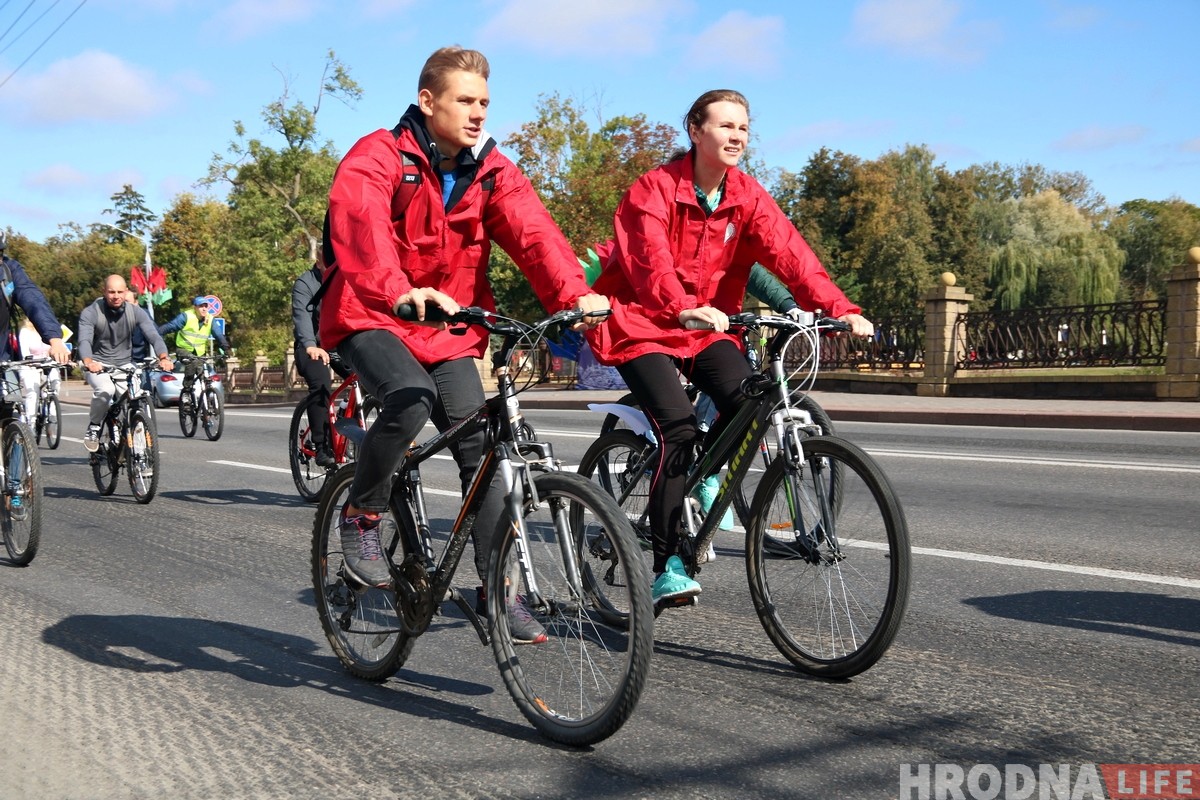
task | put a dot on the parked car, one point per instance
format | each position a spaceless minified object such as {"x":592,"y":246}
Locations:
{"x":165,"y":386}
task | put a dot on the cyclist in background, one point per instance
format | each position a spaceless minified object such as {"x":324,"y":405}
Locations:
{"x":193,"y":329}
{"x":17,"y":289}
{"x":312,"y":361}
{"x":106,"y":337}
{"x":686,"y":236}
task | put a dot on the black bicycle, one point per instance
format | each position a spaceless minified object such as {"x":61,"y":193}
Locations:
{"x":200,"y":404}
{"x":128,"y":437}
{"x":20,"y":472}
{"x":580,"y":685}
{"x":827,"y":552}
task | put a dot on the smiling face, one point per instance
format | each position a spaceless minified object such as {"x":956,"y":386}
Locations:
{"x":720,"y":140}
{"x":455,"y":115}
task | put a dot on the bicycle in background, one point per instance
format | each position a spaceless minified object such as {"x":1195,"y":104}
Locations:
{"x":49,"y":411}
{"x":349,"y":413}
{"x":202,"y":403}
{"x":580,"y":685}
{"x":128,"y":436}
{"x":20,"y":471}
{"x":827,"y":553}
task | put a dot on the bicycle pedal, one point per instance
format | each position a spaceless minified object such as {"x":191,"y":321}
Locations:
{"x":676,"y":602}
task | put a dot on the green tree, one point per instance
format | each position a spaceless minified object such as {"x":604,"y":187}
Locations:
{"x":277,"y":201}
{"x":131,"y":214}
{"x":1154,"y":237}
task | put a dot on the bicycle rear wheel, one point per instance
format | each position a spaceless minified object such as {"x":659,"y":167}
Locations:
{"x":106,"y":461}
{"x":51,"y":414}
{"x":142,"y":462}
{"x":580,"y":685}
{"x":21,"y":521}
{"x":362,"y":624}
{"x":212,"y":414}
{"x":308,"y":476}
{"x":832,"y":598}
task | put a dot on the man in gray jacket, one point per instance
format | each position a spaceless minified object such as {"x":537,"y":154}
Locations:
{"x":106,"y":337}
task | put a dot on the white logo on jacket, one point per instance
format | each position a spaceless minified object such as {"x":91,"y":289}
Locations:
{"x":730,"y":231}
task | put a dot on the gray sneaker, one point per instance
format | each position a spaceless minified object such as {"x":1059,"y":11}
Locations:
{"x":91,"y":439}
{"x":362,"y":549}
{"x":521,"y":623}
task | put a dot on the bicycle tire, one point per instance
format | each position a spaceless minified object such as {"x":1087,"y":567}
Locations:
{"x":106,"y":464}
{"x":619,"y":463}
{"x":188,"y":416}
{"x":361,"y":623}
{"x":141,"y":457}
{"x":21,"y":520}
{"x":582,"y":684}
{"x":213,"y":422}
{"x":308,"y":476}
{"x":832,"y":614}
{"x":51,"y":422}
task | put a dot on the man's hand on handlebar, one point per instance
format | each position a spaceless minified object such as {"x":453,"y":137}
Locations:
{"x":859,"y":325}
{"x":587,"y":303}
{"x":418,"y":297}
{"x":164,"y":363}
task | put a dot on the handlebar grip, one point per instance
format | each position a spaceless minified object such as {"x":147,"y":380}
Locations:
{"x":698,"y":325}
{"x":433,"y":313}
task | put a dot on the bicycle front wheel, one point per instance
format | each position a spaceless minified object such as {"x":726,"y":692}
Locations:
{"x":21,"y":521}
{"x":212,"y":414}
{"x":308,"y":476}
{"x":51,"y":414}
{"x":361,"y":623}
{"x":832,"y":587}
{"x":106,"y":461}
{"x":142,"y":461}
{"x":188,"y":413}
{"x":580,"y":685}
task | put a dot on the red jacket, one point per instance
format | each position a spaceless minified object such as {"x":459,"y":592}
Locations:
{"x":668,"y":257}
{"x":383,"y":250}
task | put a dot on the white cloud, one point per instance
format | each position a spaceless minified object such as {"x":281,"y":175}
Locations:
{"x":244,"y":19}
{"x":830,"y":133}
{"x":926,"y":29}
{"x":1191,"y":146}
{"x":93,"y":85}
{"x":591,"y":29}
{"x":1100,"y":138}
{"x":757,"y":41}
{"x":57,"y":179}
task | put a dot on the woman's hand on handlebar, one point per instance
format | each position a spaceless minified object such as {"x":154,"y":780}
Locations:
{"x":704,"y":318}
{"x":859,"y":325}
{"x":418,"y":297}
{"x":587,"y":303}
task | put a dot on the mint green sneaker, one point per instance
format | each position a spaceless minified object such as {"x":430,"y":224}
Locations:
{"x":674,"y":582}
{"x":706,"y":493}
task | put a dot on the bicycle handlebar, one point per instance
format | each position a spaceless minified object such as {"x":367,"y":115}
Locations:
{"x":748,"y":319}
{"x":474,"y":315}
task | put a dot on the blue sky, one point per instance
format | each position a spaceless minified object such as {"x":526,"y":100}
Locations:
{"x":146,"y":91}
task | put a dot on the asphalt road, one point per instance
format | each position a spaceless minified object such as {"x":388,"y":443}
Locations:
{"x":173,"y":649}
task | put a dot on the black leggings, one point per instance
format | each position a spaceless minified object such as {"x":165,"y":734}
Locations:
{"x":718,"y":371}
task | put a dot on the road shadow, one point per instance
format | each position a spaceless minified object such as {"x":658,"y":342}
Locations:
{"x":228,"y":497}
{"x":140,"y":643}
{"x":1161,"y":618}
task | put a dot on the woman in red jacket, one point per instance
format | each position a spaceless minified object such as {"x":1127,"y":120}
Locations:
{"x":687,"y":234}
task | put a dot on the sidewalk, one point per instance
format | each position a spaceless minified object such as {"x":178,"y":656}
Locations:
{"x":860,"y":407}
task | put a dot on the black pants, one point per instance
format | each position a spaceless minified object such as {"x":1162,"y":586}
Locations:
{"x":718,"y":371}
{"x":411,"y":394}
{"x":316,"y":376}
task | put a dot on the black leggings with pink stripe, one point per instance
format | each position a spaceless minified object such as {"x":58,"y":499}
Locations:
{"x":718,"y":371}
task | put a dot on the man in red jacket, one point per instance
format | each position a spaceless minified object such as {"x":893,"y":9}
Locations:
{"x":412,"y":214}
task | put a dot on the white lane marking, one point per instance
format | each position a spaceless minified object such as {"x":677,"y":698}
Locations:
{"x":1046,"y":462}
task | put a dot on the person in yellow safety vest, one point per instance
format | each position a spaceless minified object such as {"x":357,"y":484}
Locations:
{"x":193,"y":329}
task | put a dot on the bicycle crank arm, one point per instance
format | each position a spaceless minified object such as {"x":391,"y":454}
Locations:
{"x":467,"y":609}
